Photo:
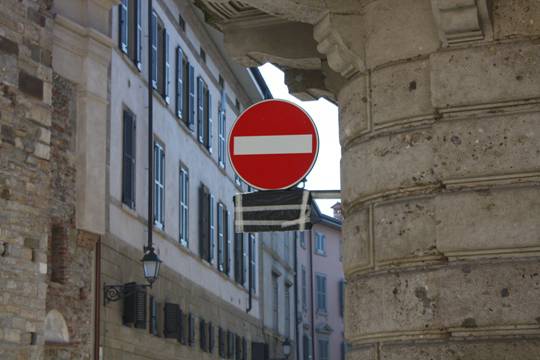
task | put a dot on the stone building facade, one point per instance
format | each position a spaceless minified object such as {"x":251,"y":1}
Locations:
{"x":321,"y":288}
{"x":439,"y":105}
{"x":278,"y":286}
{"x":201,"y":306}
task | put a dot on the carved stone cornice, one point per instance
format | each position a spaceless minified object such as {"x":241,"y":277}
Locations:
{"x":462,"y":21}
{"x":331,"y":42}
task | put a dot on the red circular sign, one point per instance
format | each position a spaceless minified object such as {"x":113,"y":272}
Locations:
{"x":273,"y":145}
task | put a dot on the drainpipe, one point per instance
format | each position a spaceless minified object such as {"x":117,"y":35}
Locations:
{"x":296,"y":334}
{"x":150,"y":129}
{"x":250,"y":274}
{"x":311,"y":295}
{"x":97,"y":297}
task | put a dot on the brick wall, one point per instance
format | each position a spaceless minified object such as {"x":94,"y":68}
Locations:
{"x":25,"y":122}
{"x":45,"y":262}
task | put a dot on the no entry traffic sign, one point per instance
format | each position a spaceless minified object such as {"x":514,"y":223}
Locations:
{"x":273,"y":145}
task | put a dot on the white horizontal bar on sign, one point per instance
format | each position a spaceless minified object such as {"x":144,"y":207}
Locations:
{"x":273,"y":144}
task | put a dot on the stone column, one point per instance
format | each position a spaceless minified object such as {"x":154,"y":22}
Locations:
{"x":440,"y":133}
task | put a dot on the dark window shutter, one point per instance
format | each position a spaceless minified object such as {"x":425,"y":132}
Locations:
{"x":230,"y":344}
{"x":179,"y":82}
{"x":204,"y":222}
{"x":180,"y":320}
{"x":227,"y":240}
{"x":259,"y":351}
{"x":139,"y":36}
{"x":153,"y":329}
{"x":128,"y":160}
{"x":221,"y":343}
{"x":191,"y":329}
{"x":341,"y":296}
{"x":171,"y":315}
{"x":191,"y":104}
{"x":244,"y":349}
{"x":123,"y":25}
{"x":154,"y":35}
{"x":238,"y":250}
{"x":238,"y":348}
{"x":209,"y":121}
{"x":202,"y":335}
{"x":134,"y":311}
{"x":210,"y":337}
{"x":166,"y":67}
{"x":200,"y":109}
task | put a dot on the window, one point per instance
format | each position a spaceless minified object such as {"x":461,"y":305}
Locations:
{"x":206,"y":224}
{"x":238,"y":348}
{"x":134,"y":309}
{"x":204,"y":114}
{"x":323,"y":349}
{"x":287,"y":247}
{"x":210,"y":337}
{"x":275,"y":302}
{"x":128,"y":160}
{"x":202,"y":335}
{"x":202,"y":53}
{"x":304,"y":288}
{"x":253,"y":264}
{"x":159,"y":185}
{"x":223,"y":239}
{"x":302,"y":237}
{"x":184,"y":206}
{"x":239,"y":258}
{"x":320,"y":243}
{"x":185,"y":89}
{"x":181,"y":22}
{"x":230,"y":344}
{"x":160,"y":57}
{"x":130,"y":30}
{"x":222,"y":128}
{"x":341,"y":296}
{"x":221,"y":343}
{"x":321,"y":292}
{"x":306,"y":347}
{"x":287,"y":310}
{"x":343,"y":351}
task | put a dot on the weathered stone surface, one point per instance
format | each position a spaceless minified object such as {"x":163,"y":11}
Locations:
{"x":400,"y":92}
{"x":405,"y":230}
{"x":522,"y":349}
{"x":498,"y":145}
{"x":356,"y":252}
{"x":390,"y":33}
{"x":516,"y":18}
{"x":485,"y":75}
{"x":353,"y":109}
{"x":388,"y":163}
{"x":501,"y":226}
{"x":444,"y":299}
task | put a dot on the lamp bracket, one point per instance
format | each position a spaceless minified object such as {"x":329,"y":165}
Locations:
{"x":112,"y":293}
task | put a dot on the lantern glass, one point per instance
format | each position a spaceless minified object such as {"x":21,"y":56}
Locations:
{"x":286,"y":347}
{"x":151,"y":264}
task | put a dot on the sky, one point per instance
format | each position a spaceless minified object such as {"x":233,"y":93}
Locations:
{"x":325,"y":173}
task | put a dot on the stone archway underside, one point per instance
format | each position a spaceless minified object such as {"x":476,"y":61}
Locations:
{"x":439,"y":107}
